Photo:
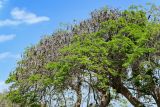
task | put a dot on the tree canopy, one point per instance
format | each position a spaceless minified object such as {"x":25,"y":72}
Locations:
{"x":114,"y":54}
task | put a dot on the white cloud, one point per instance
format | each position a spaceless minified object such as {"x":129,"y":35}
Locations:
{"x":27,"y":17}
{"x":6,"y":55}
{"x":4,"y":38}
{"x":9,"y":22}
{"x":20,"y":16}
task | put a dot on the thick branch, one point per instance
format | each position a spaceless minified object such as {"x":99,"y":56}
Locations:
{"x":125,"y":92}
{"x":120,"y":88}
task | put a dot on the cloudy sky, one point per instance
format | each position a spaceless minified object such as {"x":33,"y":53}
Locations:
{"x":24,"y":22}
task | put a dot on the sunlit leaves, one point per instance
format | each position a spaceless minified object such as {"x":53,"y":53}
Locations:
{"x":98,"y":55}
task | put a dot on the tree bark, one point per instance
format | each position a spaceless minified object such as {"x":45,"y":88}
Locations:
{"x":105,"y":99}
{"x":158,"y":102}
{"x":156,"y":95}
{"x":43,"y":105}
{"x":125,"y":92}
{"x":79,"y":98}
{"x":120,"y":88}
{"x":79,"y":93}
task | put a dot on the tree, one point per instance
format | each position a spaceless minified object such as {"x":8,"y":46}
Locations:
{"x":115,"y":50}
{"x":5,"y":102}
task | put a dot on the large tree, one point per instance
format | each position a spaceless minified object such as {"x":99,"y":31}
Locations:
{"x":114,"y":51}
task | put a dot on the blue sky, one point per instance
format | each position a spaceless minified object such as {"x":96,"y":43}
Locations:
{"x":24,"y":22}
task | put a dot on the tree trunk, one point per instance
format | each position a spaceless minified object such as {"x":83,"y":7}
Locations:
{"x":79,"y":94}
{"x":135,"y":102}
{"x":156,"y":95}
{"x":43,"y":105}
{"x":78,"y":102}
{"x":120,"y":88}
{"x":158,"y":102}
{"x":105,"y":99}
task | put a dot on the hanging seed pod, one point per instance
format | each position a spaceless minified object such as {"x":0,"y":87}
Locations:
{"x":47,"y":50}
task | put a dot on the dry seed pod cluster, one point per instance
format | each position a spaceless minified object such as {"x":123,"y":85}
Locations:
{"x":47,"y":49}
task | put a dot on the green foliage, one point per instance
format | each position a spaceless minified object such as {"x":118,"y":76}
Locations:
{"x":99,"y":58}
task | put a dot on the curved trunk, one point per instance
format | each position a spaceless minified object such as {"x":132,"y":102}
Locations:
{"x":125,"y":92}
{"x":120,"y":88}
